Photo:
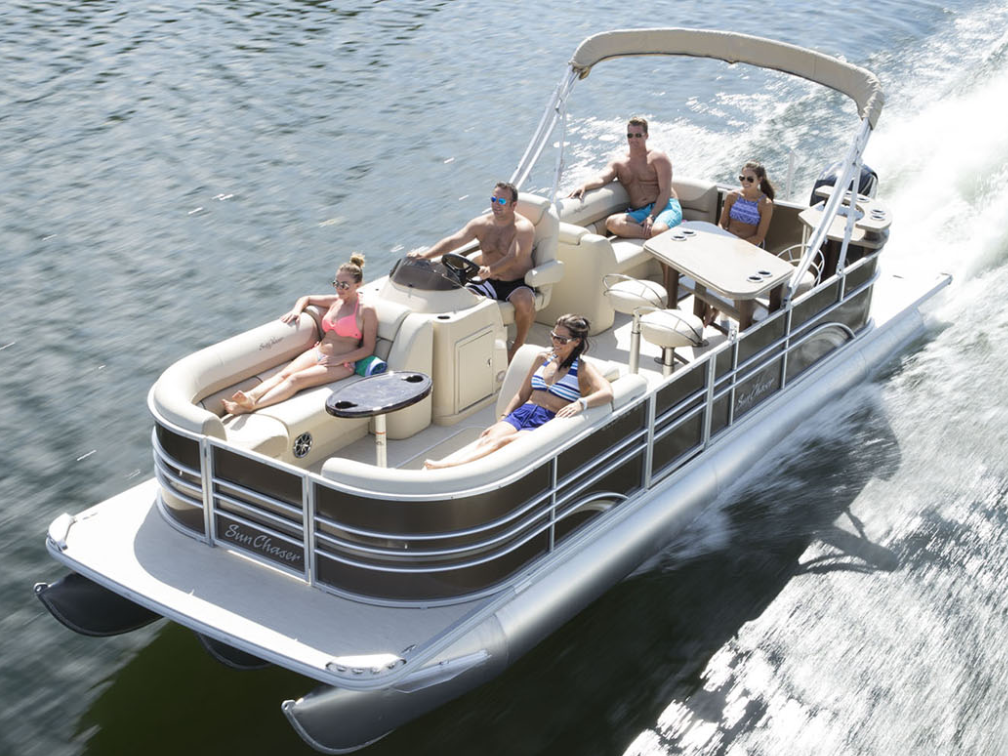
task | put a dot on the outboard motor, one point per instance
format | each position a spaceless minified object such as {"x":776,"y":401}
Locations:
{"x":867,"y":185}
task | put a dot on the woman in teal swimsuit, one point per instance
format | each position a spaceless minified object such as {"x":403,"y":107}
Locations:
{"x":349,"y":332}
{"x":559,"y":384}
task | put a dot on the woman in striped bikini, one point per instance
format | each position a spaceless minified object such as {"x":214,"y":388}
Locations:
{"x":558,"y":384}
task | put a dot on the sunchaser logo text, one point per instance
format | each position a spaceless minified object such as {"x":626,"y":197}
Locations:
{"x":263,"y":544}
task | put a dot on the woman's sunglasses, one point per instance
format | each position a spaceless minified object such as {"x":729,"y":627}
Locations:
{"x":561,"y":339}
{"x":341,"y":285}
{"x":747,"y":179}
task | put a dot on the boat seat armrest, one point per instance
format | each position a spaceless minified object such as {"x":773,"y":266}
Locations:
{"x":550,"y":272}
{"x":571,"y":234}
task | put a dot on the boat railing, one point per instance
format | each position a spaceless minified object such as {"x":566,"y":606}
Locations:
{"x":434,"y":546}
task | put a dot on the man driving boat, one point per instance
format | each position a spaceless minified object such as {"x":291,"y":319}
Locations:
{"x":505,"y":237}
{"x":646,"y":174}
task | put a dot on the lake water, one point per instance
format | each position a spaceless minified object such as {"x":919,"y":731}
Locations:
{"x":176,"y":173}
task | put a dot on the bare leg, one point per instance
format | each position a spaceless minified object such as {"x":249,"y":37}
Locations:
{"x":524,"y":312}
{"x":623,"y":225}
{"x":313,"y":376}
{"x":710,"y":315}
{"x":303,"y":372}
{"x":248,"y":401}
{"x":493,"y":438}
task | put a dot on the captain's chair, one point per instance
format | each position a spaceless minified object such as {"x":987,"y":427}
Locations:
{"x":547,"y":269}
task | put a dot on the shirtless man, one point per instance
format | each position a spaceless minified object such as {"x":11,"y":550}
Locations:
{"x":505,"y":256}
{"x":647,"y":177}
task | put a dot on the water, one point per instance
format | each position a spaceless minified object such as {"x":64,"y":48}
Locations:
{"x":177,"y":173}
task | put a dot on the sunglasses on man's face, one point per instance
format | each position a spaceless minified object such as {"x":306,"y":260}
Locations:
{"x":341,"y":285}
{"x":501,"y":200}
{"x":634,"y":136}
{"x":747,"y":179}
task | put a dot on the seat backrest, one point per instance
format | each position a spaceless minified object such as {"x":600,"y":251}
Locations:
{"x":544,"y":217}
{"x":699,"y":200}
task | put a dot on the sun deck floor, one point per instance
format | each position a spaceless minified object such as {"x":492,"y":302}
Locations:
{"x":125,"y":540}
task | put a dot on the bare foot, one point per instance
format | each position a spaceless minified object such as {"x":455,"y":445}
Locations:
{"x":233,"y":408}
{"x":243,"y":400}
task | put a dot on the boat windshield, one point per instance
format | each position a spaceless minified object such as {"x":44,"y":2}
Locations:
{"x":425,"y":275}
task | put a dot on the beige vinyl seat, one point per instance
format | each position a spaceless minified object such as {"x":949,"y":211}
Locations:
{"x":646,"y":301}
{"x":298,"y":430}
{"x":671,"y":329}
{"x":590,"y":253}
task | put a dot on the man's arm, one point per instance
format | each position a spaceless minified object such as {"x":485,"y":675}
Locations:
{"x":464,"y":235}
{"x":606,"y":177}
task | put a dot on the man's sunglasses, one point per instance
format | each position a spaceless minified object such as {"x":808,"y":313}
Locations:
{"x":634,"y":136}
{"x":501,"y":200}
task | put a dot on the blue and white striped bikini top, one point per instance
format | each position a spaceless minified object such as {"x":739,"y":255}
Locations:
{"x":746,"y":211}
{"x":566,"y":388}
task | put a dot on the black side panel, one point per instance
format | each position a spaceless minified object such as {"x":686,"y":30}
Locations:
{"x":89,"y":609}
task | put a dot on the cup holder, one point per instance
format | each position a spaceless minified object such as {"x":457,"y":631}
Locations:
{"x":345,"y":405}
{"x":414,"y":378}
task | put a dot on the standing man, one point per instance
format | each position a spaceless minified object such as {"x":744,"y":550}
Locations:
{"x":505,"y":256}
{"x":646,"y":174}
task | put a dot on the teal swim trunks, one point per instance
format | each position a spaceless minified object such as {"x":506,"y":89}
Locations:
{"x":670,"y":216}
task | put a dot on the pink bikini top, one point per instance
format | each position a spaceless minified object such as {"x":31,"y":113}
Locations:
{"x":345,"y":326}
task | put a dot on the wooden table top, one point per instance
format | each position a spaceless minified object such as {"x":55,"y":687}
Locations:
{"x":719,"y":260}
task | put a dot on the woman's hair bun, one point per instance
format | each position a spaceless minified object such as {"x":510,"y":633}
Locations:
{"x":357,"y":259}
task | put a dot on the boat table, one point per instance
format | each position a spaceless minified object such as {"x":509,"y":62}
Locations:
{"x":872,"y":219}
{"x":376,"y":396}
{"x":721,"y":263}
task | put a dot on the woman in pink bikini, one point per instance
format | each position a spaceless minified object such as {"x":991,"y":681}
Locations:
{"x":349,"y":332}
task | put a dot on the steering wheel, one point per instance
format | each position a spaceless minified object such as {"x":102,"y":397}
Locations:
{"x":462,"y":267}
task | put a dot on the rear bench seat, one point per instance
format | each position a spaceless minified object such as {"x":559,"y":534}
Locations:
{"x":515,"y":458}
{"x":588,"y":253}
{"x":190,"y":392}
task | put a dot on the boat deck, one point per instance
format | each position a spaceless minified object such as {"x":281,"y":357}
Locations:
{"x":127,"y":545}
{"x":612,"y":345}
{"x":123,"y":541}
